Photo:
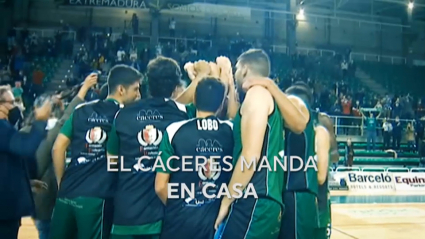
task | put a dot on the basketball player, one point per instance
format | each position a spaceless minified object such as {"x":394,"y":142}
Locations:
{"x":325,"y":151}
{"x":194,"y":216}
{"x":260,"y":122}
{"x":137,"y":131}
{"x":300,"y":218}
{"x":85,"y":188}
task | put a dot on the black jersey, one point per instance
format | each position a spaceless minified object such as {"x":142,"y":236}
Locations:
{"x":207,"y":141}
{"x":139,"y":129}
{"x":86,"y":174}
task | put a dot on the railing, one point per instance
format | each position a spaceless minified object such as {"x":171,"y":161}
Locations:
{"x":347,"y":169}
{"x":163,"y":40}
{"x":342,"y":169}
{"x":375,"y":169}
{"x":378,"y":58}
{"x":354,"y":126}
{"x":359,"y":56}
{"x":397,"y":170}
{"x":417,"y":170}
{"x":46,"y":33}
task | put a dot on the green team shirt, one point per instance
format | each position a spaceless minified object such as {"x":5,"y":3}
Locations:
{"x":267,"y":183}
{"x":67,"y":127}
{"x":302,"y":146}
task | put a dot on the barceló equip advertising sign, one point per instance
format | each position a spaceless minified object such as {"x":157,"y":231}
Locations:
{"x":409,"y":181}
{"x":370,"y":181}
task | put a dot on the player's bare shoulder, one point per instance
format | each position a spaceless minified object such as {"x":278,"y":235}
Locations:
{"x":258,"y":96}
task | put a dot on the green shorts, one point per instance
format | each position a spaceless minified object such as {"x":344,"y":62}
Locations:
{"x":150,"y":231}
{"x":252,"y":219}
{"x":82,"y":218}
{"x":134,"y":237}
{"x":301,"y":216}
{"x":323,"y":233}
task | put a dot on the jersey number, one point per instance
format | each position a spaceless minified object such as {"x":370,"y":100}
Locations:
{"x":207,"y":124}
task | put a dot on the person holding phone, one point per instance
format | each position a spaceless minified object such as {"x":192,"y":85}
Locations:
{"x":44,"y":184}
{"x":15,"y":189}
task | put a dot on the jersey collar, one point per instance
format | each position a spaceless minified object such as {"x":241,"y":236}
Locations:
{"x":115,"y":101}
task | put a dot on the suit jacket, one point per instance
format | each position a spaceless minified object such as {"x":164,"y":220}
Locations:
{"x":45,"y":201}
{"x":17,"y":152}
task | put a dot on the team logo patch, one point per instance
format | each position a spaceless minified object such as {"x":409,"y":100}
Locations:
{"x":149,"y":136}
{"x":96,"y":135}
{"x":211,"y":170}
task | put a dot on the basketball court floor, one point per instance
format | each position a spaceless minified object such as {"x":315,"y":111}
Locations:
{"x":393,"y":215}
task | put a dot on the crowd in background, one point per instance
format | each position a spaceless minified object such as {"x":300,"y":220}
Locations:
{"x":332,"y":78}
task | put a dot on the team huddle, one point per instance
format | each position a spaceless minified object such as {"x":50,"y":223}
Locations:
{"x":218,"y":114}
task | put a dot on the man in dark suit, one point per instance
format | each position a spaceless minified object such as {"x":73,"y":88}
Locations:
{"x":15,"y":189}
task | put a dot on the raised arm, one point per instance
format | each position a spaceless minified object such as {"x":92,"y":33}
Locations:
{"x":196,"y":73}
{"x":21,"y":144}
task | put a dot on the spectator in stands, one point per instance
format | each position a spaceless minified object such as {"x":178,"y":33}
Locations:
{"x":135,"y":64}
{"x":397,"y":131}
{"x":346,"y":112}
{"x":120,"y":55}
{"x":410,"y":137}
{"x":386,"y":101}
{"x":420,"y":109}
{"x":344,"y":69}
{"x":37,"y":81}
{"x":349,"y":153}
{"x":19,"y":63}
{"x":419,"y":133}
{"x":17,"y":90}
{"x":135,"y":24}
{"x":172,"y":27}
{"x":396,"y":111}
{"x":158,"y":49}
{"x":371,"y":122}
{"x":357,"y":121}
{"x":387,"y":128}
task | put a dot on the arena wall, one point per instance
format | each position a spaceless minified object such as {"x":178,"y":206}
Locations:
{"x":312,"y":32}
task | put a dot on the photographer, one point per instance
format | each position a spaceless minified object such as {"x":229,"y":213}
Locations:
{"x":15,"y":189}
{"x":45,"y":199}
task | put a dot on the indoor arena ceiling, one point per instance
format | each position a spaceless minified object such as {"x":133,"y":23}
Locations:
{"x":389,"y":8}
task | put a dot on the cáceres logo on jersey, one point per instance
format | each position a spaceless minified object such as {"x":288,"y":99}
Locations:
{"x":95,"y":146}
{"x":211,"y":171}
{"x":96,"y":135}
{"x":149,"y":138}
{"x":208,"y":173}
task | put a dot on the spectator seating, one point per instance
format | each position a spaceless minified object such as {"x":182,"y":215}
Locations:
{"x":396,"y":77}
{"x":363,"y":157}
{"x":48,"y":65}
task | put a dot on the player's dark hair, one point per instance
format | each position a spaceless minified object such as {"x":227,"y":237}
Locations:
{"x":209,"y":94}
{"x":164,"y":76}
{"x":301,"y":90}
{"x":103,"y":91}
{"x":257,"y":61}
{"x":122,"y":75}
